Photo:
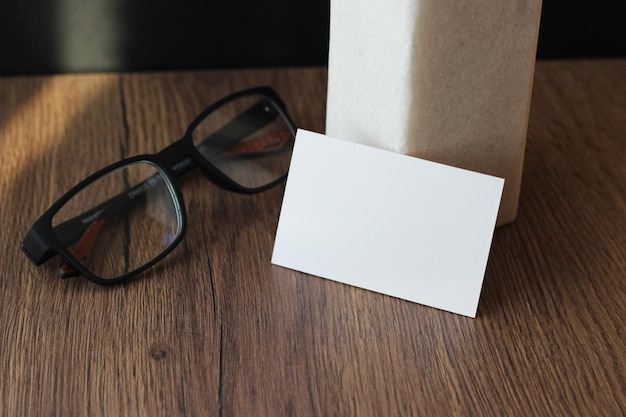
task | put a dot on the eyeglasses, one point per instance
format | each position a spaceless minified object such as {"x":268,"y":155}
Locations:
{"x":128,"y":216}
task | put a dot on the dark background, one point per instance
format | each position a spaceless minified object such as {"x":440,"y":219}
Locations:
{"x":50,"y":36}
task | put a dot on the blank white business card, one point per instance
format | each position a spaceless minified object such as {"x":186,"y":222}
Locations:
{"x":387,"y":222}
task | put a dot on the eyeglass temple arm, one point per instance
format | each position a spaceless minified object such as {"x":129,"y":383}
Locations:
{"x":69,"y":231}
{"x":83,"y":249}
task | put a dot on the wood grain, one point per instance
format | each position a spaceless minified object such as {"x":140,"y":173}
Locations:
{"x":215,"y":329}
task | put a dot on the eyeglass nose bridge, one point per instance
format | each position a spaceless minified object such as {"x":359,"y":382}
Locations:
{"x":179,"y":156}
{"x":182,"y":156}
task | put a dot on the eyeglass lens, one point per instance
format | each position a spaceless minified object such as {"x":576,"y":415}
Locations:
{"x":134,"y":217}
{"x":247,"y":140}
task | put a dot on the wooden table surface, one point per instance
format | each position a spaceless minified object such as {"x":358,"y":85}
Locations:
{"x":215,"y":329}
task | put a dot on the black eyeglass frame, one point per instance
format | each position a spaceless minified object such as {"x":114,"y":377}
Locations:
{"x":176,"y":159}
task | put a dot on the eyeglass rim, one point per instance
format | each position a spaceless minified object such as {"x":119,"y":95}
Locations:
{"x":266,"y":91}
{"x":212,"y":172}
{"x":41,"y":235}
